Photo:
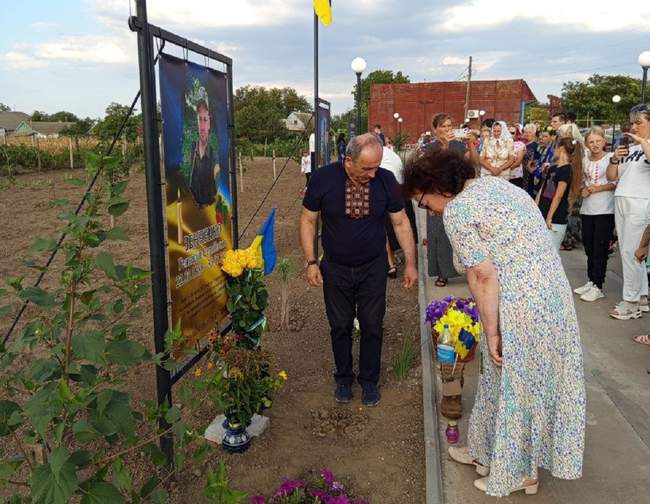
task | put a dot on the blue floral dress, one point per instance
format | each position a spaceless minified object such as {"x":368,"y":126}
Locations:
{"x":531,"y":412}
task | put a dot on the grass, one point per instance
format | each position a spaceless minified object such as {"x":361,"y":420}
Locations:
{"x":404,"y":359}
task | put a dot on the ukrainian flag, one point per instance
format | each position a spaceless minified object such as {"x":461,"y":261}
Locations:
{"x":323,"y":10}
{"x":264,"y":243}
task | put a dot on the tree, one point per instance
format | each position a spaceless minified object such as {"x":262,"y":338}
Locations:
{"x":259,"y":112}
{"x":79,"y":129}
{"x":375,"y":77}
{"x":4,"y":108}
{"x":536,"y":113}
{"x":61,"y":116}
{"x":107,"y":128}
{"x":593,"y":98}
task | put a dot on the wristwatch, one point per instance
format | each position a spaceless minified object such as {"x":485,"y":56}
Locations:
{"x":311,"y":263}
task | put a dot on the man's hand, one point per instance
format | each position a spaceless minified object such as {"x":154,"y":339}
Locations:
{"x":494,"y":348}
{"x":641,"y":254}
{"x":410,"y":276}
{"x":314,"y":277}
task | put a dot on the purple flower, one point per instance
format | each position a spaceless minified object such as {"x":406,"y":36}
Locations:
{"x":288,"y":487}
{"x":258,"y":499}
{"x":321,"y":495}
{"x":341,"y":499}
{"x":328,"y":476}
{"x":337,"y":486}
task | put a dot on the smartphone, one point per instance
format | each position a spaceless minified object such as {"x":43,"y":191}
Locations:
{"x":624,"y":141}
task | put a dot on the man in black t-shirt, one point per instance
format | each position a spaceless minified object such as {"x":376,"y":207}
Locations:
{"x":204,"y":172}
{"x":353,"y":200}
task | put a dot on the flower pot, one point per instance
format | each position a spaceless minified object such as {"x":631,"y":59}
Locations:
{"x":236,"y":439}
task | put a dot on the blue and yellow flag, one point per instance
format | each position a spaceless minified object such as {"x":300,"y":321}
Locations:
{"x":264,"y":243}
{"x":323,"y":10}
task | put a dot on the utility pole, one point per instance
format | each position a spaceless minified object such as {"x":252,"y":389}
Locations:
{"x":469,"y":85}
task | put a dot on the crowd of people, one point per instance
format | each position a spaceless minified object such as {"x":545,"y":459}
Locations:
{"x":501,"y":202}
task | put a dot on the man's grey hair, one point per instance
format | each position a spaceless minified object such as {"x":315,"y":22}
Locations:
{"x":361,"y":142}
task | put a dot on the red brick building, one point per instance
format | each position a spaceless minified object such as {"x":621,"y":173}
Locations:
{"x":418,"y":103}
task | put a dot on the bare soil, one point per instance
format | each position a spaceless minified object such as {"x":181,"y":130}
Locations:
{"x":378,"y":451}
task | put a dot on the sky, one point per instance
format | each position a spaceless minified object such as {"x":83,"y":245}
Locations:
{"x":79,"y":55}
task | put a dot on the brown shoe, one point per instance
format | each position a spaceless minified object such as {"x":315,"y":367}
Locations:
{"x":452,"y":407}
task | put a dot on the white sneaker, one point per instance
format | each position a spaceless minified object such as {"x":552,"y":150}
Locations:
{"x":643,"y":304}
{"x":626,"y":311}
{"x":585,"y":288}
{"x":592,"y":294}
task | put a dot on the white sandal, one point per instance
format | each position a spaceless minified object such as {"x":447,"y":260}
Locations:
{"x":461,"y":455}
{"x":530,"y":489}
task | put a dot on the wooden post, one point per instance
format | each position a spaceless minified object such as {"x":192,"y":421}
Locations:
{"x":241,"y":174}
{"x":38,"y":153}
{"x":264,"y":146}
{"x":274,"y":175}
{"x":124,"y":146}
{"x":70,"y":150}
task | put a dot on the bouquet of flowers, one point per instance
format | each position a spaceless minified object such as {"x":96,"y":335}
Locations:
{"x":460,"y":316}
{"x":247,"y":294}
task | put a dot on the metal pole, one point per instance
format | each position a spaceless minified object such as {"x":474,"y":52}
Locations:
{"x":233,"y":161}
{"x":644,"y":84}
{"x":155,"y":213}
{"x":316,"y":107}
{"x":467,"y":92}
{"x":358,"y":103}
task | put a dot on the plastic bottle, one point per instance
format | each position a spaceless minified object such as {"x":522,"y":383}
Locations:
{"x":445,"y":352}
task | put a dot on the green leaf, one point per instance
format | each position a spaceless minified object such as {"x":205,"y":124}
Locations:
{"x":81,"y":458}
{"x":119,"y":187}
{"x":83,"y":431}
{"x":65,"y":394}
{"x":59,"y":202}
{"x":117,"y":205}
{"x":5,"y":310}
{"x":155,"y":453}
{"x":41,"y":245}
{"x":56,"y":482}
{"x":89,"y":345}
{"x":149,"y":486}
{"x":121,"y":476}
{"x":125,"y":352}
{"x":7,"y":409}
{"x":6,"y":470}
{"x":158,"y":496}
{"x":41,"y":407}
{"x":16,"y":282}
{"x":104,"y":262}
{"x":37,"y":296}
{"x":116,"y":233}
{"x":101,"y":492}
{"x":173,"y":415}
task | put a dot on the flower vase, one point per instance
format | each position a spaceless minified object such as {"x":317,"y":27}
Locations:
{"x":236,"y":439}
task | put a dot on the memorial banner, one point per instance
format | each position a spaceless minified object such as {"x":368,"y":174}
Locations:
{"x":196,"y":142}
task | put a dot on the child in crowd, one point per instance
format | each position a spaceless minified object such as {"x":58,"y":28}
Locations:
{"x":305,"y":165}
{"x":561,"y":187}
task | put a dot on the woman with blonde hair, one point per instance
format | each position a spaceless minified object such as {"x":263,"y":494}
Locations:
{"x":596,"y":213}
{"x":498,"y":154}
{"x":561,"y":188}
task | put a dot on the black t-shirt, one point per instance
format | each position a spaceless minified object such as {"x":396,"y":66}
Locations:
{"x":347,"y":241}
{"x":555,"y":175}
{"x":455,"y":146}
{"x":202,"y":180}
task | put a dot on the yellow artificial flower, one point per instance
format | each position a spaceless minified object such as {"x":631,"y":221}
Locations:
{"x":231,"y":264}
{"x":198,"y":372}
{"x":210,"y":365}
{"x":283,"y":374}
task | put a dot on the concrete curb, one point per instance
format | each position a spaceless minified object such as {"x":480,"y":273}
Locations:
{"x":434,"y":491}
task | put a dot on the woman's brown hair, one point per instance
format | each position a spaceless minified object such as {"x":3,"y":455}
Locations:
{"x":438,"y":119}
{"x":573,"y":148}
{"x":436,"y":171}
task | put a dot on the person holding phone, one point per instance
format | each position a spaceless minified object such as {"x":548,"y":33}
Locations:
{"x":630,"y":167}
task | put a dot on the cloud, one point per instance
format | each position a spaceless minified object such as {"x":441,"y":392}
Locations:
{"x":73,"y":49}
{"x":454,"y":60}
{"x":44,"y":25}
{"x":481,"y":61}
{"x":598,"y":16}
{"x":202,"y":14}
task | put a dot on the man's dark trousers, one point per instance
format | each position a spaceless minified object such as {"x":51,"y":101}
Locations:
{"x":356,"y":291}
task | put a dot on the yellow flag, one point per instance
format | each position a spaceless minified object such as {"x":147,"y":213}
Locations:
{"x":323,"y":10}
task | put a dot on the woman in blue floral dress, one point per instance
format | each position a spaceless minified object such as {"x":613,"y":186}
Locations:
{"x":529,"y":410}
